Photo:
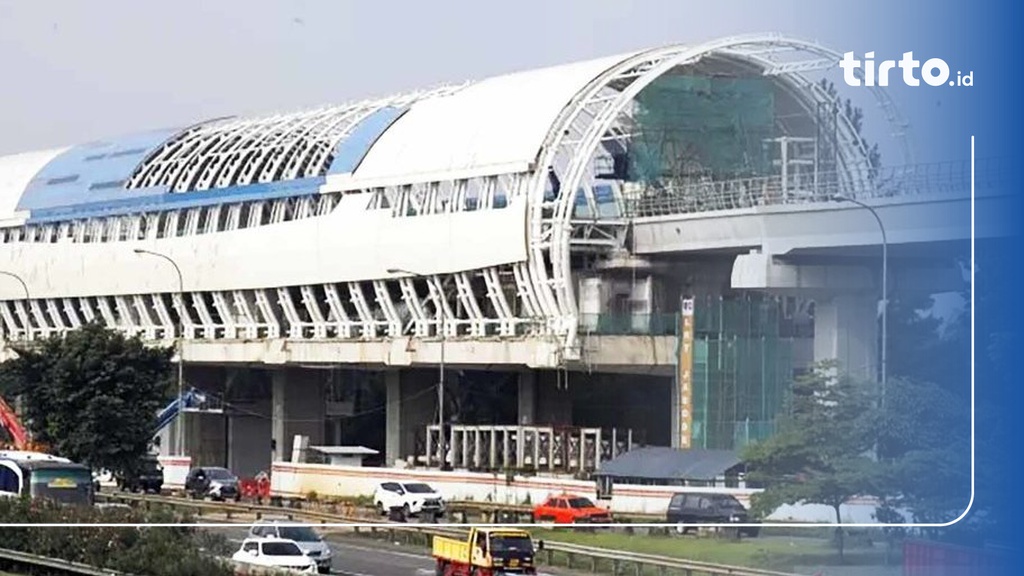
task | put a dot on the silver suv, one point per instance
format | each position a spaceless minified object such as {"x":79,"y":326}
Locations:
{"x":311,"y":543}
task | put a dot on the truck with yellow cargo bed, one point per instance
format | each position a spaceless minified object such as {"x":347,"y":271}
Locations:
{"x":487,"y":552}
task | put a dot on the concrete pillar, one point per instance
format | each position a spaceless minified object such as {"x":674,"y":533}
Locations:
{"x":249,"y":433}
{"x":846,"y":329}
{"x":554,"y":400}
{"x":298,"y":407}
{"x":417,"y":408}
{"x":393,"y":418}
{"x":527,"y":398}
{"x":206,"y":438}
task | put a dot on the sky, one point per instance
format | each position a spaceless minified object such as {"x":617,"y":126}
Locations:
{"x":74,"y":71}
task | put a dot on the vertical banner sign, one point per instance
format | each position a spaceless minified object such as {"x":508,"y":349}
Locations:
{"x":686,"y":375}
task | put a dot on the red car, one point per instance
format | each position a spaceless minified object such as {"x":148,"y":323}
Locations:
{"x":570,"y":509}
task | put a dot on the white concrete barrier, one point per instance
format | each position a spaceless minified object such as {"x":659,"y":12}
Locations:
{"x":175,"y":470}
{"x":299,"y":480}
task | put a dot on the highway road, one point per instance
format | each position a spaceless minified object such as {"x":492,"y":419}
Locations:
{"x":365,"y":557}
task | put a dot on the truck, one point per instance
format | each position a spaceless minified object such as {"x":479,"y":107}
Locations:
{"x":487,"y":552}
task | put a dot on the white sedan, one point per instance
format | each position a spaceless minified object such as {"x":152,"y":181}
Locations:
{"x":413,"y":498}
{"x":276,"y":553}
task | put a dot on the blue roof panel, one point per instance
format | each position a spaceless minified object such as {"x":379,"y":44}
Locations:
{"x":91,"y":172}
{"x":353,"y":147}
{"x":160,"y":198}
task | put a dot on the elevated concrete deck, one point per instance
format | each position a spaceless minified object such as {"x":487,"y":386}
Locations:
{"x":782,"y":229}
{"x":633,"y":354}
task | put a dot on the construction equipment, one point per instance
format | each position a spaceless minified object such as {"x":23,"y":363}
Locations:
{"x":486,"y":552}
{"x":9,"y":421}
{"x":20,"y":439}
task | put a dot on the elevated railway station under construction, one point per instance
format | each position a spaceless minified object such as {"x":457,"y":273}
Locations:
{"x":323,"y":270}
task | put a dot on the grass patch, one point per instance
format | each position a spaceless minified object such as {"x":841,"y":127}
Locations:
{"x":772,"y":552}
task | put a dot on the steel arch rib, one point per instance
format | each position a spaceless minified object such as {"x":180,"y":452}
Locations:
{"x":664,"y":60}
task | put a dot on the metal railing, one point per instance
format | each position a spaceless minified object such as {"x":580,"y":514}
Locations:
{"x":574,"y":555}
{"x":660,"y":199}
{"x":625,"y":324}
{"x":13,"y":559}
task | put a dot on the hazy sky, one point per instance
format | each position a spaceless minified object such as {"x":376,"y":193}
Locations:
{"x":72,"y":71}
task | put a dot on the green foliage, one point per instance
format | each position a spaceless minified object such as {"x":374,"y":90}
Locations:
{"x":158,"y":551}
{"x":924,"y":450}
{"x":820,"y":454}
{"x":92,"y":395}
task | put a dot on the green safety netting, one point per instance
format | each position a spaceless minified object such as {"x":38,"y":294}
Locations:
{"x":718,"y":124}
{"x":742,"y":370}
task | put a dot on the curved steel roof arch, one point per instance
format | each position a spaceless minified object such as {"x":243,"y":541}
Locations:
{"x":640,"y":71}
{"x":242,"y":151}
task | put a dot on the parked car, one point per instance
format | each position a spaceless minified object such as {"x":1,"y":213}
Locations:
{"x":148,"y":476}
{"x":311,"y":543}
{"x":274,"y":552}
{"x":413,"y":498}
{"x":213,"y":482}
{"x":570,"y":509}
{"x":708,"y":508}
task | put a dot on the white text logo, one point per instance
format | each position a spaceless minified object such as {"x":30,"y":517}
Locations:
{"x":934,"y":71}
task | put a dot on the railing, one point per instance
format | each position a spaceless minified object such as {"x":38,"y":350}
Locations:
{"x":898,"y":181}
{"x":573,"y":555}
{"x":610,"y":324}
{"x":552,"y":448}
{"x":13,"y":559}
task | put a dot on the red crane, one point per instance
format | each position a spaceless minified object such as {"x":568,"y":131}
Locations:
{"x":9,"y":421}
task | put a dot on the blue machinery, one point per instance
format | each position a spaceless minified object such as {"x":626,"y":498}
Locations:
{"x":193,"y":400}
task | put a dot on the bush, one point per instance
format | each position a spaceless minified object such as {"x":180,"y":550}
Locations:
{"x":160,"y":551}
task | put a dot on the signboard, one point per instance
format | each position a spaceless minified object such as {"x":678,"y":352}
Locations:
{"x":685,"y":375}
{"x":62,"y":483}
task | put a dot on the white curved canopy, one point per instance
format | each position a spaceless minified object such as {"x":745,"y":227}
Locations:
{"x":493,"y":126}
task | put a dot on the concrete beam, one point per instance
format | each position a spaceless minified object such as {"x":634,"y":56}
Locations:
{"x":626,"y":354}
{"x":782,"y":229}
{"x":766,"y":272}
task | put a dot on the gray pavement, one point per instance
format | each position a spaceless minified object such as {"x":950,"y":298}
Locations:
{"x":354,"y":556}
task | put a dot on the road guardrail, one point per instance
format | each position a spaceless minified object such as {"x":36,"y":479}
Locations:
{"x":17,"y":559}
{"x":576,"y":556}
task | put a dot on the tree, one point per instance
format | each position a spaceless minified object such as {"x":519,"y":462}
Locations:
{"x":820,"y":454}
{"x":92,"y":395}
{"x":160,"y":551}
{"x":924,"y":451}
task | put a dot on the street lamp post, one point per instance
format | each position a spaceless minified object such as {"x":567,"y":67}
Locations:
{"x":885,"y":286}
{"x":441,"y":317}
{"x":179,"y":341}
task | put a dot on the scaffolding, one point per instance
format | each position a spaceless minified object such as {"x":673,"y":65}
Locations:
{"x":701,"y":128}
{"x":742,"y":370}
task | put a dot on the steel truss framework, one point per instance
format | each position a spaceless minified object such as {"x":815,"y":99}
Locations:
{"x":239,"y":152}
{"x":534,"y":298}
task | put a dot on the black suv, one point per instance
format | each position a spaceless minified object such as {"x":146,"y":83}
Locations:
{"x":147,"y":476}
{"x":708,"y":508}
{"x":217,"y":483}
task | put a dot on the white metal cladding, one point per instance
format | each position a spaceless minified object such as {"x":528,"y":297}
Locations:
{"x":456,"y":191}
{"x":574,"y":140}
{"x":16,"y":171}
{"x":495,"y":126}
{"x":350,"y":244}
